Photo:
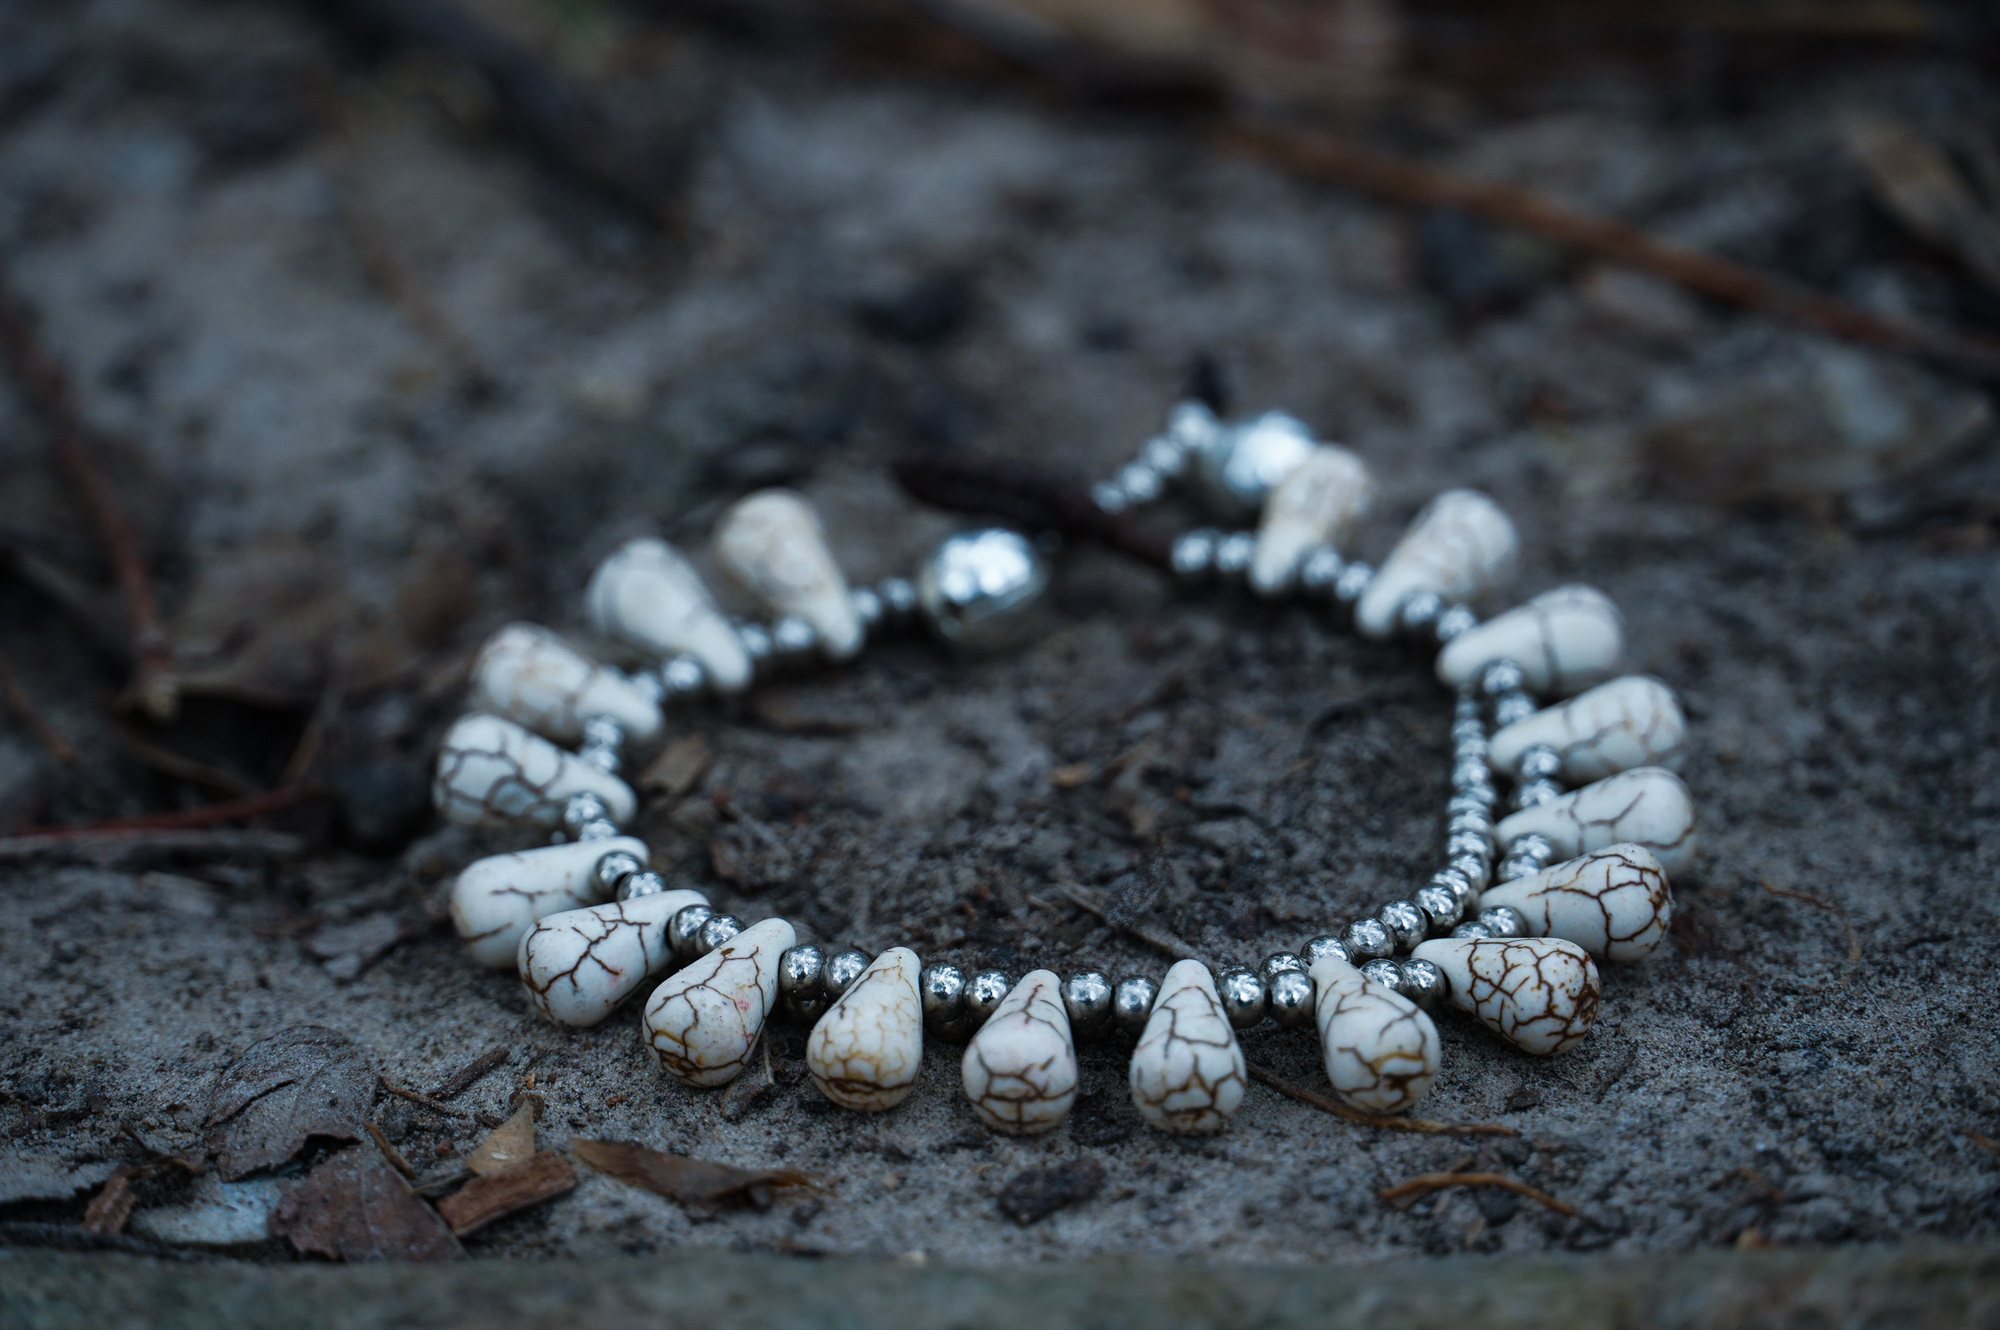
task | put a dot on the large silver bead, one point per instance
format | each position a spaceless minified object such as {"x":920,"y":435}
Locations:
{"x":1291,"y":998}
{"x":1368,"y":939}
{"x":983,"y":997}
{"x":684,"y":932}
{"x":1279,"y":963}
{"x":799,"y":992}
{"x":1386,"y":973}
{"x":718,"y":929}
{"x":1244,"y":999}
{"x":842,"y":969}
{"x":980,"y":589}
{"x":1132,"y":1003}
{"x":1423,"y":983}
{"x":1406,"y":923}
{"x":1238,"y":465}
{"x":1322,"y":948}
{"x":942,"y":987}
{"x":1087,"y":998}
{"x":1441,"y":907}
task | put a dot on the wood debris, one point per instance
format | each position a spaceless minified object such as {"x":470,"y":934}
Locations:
{"x":472,"y":1072}
{"x":1036,"y":1193}
{"x":354,"y":1207}
{"x":1334,"y":1106}
{"x":495,"y":1195}
{"x":112,"y":1206}
{"x":679,"y":767}
{"x":1404,"y":1193}
{"x":699,"y":1185}
{"x":510,"y":1143}
{"x":299,"y":1083}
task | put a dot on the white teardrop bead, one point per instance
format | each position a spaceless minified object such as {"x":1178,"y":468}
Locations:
{"x":1458,"y":546}
{"x":865,"y":1051}
{"x":1381,"y":1051}
{"x":1630,"y":722}
{"x":496,"y":899}
{"x":649,"y":596}
{"x":1613,"y":902}
{"x":1649,"y":806}
{"x":1320,"y":502}
{"x":704,"y":1020}
{"x":1563,"y":640}
{"x":580,"y":964}
{"x":1188,"y":1071}
{"x":771,"y":542}
{"x":1020,"y":1069}
{"x":1538,"y":993}
{"x":534,"y":678}
{"x":493,"y":773}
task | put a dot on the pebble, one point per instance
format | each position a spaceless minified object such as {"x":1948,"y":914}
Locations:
{"x":580,"y":964}
{"x":534,"y":678}
{"x":219,"y":1214}
{"x":1630,"y":722}
{"x":1563,"y":640}
{"x":1540,"y":994}
{"x":492,"y":773}
{"x":1020,"y":1069}
{"x":1320,"y":502}
{"x":1187,"y":1071}
{"x":1648,"y":806}
{"x":772,"y":543}
{"x":649,"y":596}
{"x":1459,"y":545}
{"x":864,"y":1053}
{"x":1381,"y":1050}
{"x":704,"y":1020}
{"x":498,"y":898}
{"x":1613,"y":902}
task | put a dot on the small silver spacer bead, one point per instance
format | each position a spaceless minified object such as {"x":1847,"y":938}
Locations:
{"x":1194,"y":554}
{"x":1511,"y":707}
{"x":1140,"y":483}
{"x":1530,"y":794}
{"x":1292,"y":995}
{"x":598,"y":828}
{"x":1472,"y":822}
{"x":1244,"y":999}
{"x":1417,"y":614}
{"x":983,"y":996}
{"x":1320,"y":570}
{"x":683,"y":676}
{"x":1319,"y":948}
{"x":1423,"y":983}
{"x":1470,"y":777}
{"x":757,"y":644}
{"x":1472,"y":928}
{"x":641,"y":884}
{"x":899,"y":598}
{"x":1441,"y":906}
{"x":1466,"y":709}
{"x":1367,"y":939}
{"x":1352,"y":584}
{"x":1386,"y":973}
{"x":599,"y":759}
{"x":684,"y":932}
{"x":943,"y":988}
{"x":1502,"y":676}
{"x":615,"y":867}
{"x":1503,"y":921}
{"x":581,"y":811}
{"x":793,"y":639}
{"x":1165,"y":456}
{"x":1457,"y":883}
{"x":602,"y":732}
{"x":718,"y":929}
{"x":842,"y":969}
{"x":1461,"y":843}
{"x":1467,"y":803}
{"x":1475,"y":869}
{"x":867,"y":606}
{"x":1087,"y":998}
{"x":1539,"y":763}
{"x":1132,"y":1003}
{"x":1277,"y":963}
{"x":649,"y":685}
{"x":1108,"y":497}
{"x":1406,"y":923}
{"x":1233,"y":554}
{"x":1454,"y":622}
{"x":799,"y":991}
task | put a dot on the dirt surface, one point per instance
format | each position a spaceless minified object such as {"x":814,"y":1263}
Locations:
{"x":878,"y":258}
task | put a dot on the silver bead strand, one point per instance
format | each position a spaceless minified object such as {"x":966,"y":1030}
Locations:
{"x":602,"y":738}
{"x":586,"y":818}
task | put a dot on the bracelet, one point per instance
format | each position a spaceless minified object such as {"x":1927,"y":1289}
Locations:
{"x":1508,"y":929}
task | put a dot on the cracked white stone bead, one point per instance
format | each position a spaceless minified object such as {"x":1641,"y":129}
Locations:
{"x":704,"y":1020}
{"x":1538,"y":993}
{"x":1320,"y":502}
{"x":772,"y":543}
{"x":1630,"y":722}
{"x":493,"y":773}
{"x":1563,"y":640}
{"x":580,"y":964}
{"x":1020,"y":1069}
{"x":1648,"y":806}
{"x":498,"y":898}
{"x":1459,"y":545}
{"x":534,"y":678}
{"x":1188,"y":1072}
{"x":1381,"y":1051}
{"x":649,"y":596}
{"x":864,"y":1053}
{"x":1613,"y":902}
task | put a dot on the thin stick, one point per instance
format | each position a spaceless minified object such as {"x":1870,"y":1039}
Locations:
{"x":1425,"y":1183}
{"x":1820,"y":903}
{"x":97,"y":845}
{"x":17,"y":702}
{"x":1423,"y":1126}
{"x":424,"y":1099}
{"x":1165,"y":943}
{"x":1025,"y":494}
{"x":208,"y":815}
{"x":180,"y":766}
{"x":389,"y":1151}
{"x":468,"y":1075}
{"x":153,"y":684}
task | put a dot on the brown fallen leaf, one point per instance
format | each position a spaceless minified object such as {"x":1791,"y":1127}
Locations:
{"x":695,"y":1183}
{"x":303,"y":1082}
{"x":510,"y":1143}
{"x":679,"y":767}
{"x":495,"y":1195}
{"x":353,"y":1207}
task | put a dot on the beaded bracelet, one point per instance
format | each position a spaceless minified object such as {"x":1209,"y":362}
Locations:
{"x":1582,"y":873}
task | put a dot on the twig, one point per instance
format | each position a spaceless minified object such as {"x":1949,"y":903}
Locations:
{"x":468,"y":1075}
{"x":389,"y":1151}
{"x":1025,"y":495}
{"x":180,"y":766}
{"x":208,"y":815}
{"x":1820,"y":903}
{"x":68,"y":1237}
{"x":115,"y":844}
{"x":423,"y":1099}
{"x":1982,"y":1141}
{"x":1425,"y":1183}
{"x":153,"y":684}
{"x":1165,"y":943}
{"x":1423,"y":1126}
{"x":17,"y":702}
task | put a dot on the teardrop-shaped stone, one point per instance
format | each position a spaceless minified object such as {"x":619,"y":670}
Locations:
{"x":580,"y":964}
{"x":496,"y":899}
{"x":1188,"y":1072}
{"x":534,"y":678}
{"x":1649,"y":806}
{"x":772,"y":543}
{"x":1630,"y":722}
{"x":649,"y":596}
{"x":1321,"y":502}
{"x":1458,"y":546}
{"x":1538,"y":993}
{"x":1613,"y":902}
{"x":704,"y":1020}
{"x":493,"y":773}
{"x":865,"y":1051}
{"x":1381,"y":1050}
{"x":1020,"y":1069}
{"x":1563,"y":640}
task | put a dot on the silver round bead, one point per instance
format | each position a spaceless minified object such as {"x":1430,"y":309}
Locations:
{"x":1512,"y":707}
{"x":1423,"y":983}
{"x":1165,"y":456}
{"x":718,"y":929}
{"x":1140,"y":482}
{"x":842,"y":969}
{"x":799,"y":991}
{"x":1386,"y":973}
{"x":1277,"y":963}
{"x":1472,"y":928}
{"x":684,"y":931}
{"x":1470,"y":776}
{"x":1539,"y":763}
{"x":1502,"y":676}
{"x":1244,"y":999}
{"x":1132,"y":1003}
{"x":1087,"y":998}
{"x":602,"y":732}
{"x":1108,"y":497}
{"x":598,"y":828}
{"x":599,"y":759}
{"x":1419,"y":612}
{"x":1454,"y":880}
{"x":649,"y":685}
{"x":867,"y":607}
{"x":1194,"y":554}
{"x":756,"y":640}
{"x":1323,"y":947}
{"x":1352,"y":584}
{"x":943,"y":989}
{"x":1475,"y":869}
{"x":793,"y":639}
{"x":1503,"y":921}
{"x":983,"y":996}
{"x":979,"y":588}
{"x":1467,"y":803}
{"x":1291,"y":998}
{"x":1468,"y":842}
{"x":614,"y":868}
{"x":1465,"y":708}
{"x":1406,"y":923}
{"x":1320,"y":569}
{"x":1454,"y":622}
{"x":1192,"y":426}
{"x":1233,"y":554}
{"x":899,"y":598}
{"x":1472,"y":822}
{"x":581,"y":810}
{"x":1441,"y":906}
{"x":641,"y":884}
{"x":1237,"y":465}
{"x":1367,"y":939}
{"x":683,"y":676}
{"x":1530,"y":794}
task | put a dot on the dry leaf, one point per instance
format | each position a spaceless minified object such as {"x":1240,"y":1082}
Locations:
{"x":495,"y":1195}
{"x":353,"y":1207}
{"x":302,"y":1082}
{"x":1916,"y":183}
{"x":695,"y":1183}
{"x":510,"y":1143}
{"x":680,"y":767}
